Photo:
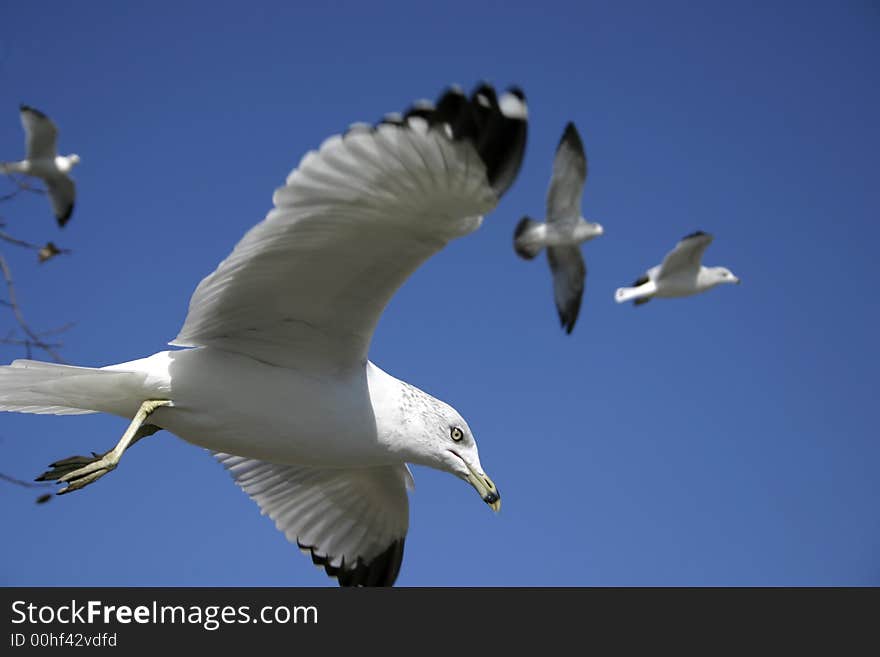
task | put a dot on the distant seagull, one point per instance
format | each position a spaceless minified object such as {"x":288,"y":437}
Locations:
{"x":42,"y":161}
{"x":565,"y":228}
{"x":681,"y":273}
{"x":275,"y":377}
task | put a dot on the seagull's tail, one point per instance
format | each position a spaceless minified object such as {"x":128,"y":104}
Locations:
{"x":12,"y":167}
{"x":525,"y":242}
{"x":641,"y":292}
{"x":637,"y":296}
{"x":29,"y":386}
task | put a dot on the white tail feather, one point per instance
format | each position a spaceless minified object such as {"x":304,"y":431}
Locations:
{"x":624,"y":294}
{"x":28,"y":386}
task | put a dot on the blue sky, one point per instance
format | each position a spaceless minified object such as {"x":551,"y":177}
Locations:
{"x":726,"y":439}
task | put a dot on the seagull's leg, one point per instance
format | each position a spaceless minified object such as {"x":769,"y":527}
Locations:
{"x":80,"y":471}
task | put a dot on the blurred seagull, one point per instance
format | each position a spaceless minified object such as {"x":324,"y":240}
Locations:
{"x":681,"y":273}
{"x":42,"y":161}
{"x":275,"y":379}
{"x":565,"y":228}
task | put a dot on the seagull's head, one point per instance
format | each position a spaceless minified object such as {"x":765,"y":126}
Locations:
{"x":723,"y":275}
{"x":588,"y":230}
{"x":73,"y":159}
{"x":463,"y":460}
{"x":454,"y":450}
{"x":424,"y":430}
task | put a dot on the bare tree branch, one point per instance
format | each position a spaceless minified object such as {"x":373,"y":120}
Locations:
{"x":23,"y":484}
{"x":58,"y":329}
{"x":42,"y":499}
{"x":21,"y":185}
{"x":44,"y":253}
{"x":34,"y":340}
{"x":25,"y":343}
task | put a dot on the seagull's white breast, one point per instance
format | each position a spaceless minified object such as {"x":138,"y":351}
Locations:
{"x":235,"y":404}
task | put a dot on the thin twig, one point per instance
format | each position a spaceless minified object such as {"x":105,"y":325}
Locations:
{"x":25,"y":343}
{"x":35,"y":339}
{"x":44,"y":253}
{"x":21,"y":185}
{"x":42,"y":499}
{"x":60,"y":329}
{"x":25,"y":484}
{"x":14,"y":240}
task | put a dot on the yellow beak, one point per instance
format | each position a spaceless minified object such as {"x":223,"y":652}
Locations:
{"x":485,"y":488}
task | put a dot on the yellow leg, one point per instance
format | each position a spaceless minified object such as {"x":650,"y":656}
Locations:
{"x":94,"y":468}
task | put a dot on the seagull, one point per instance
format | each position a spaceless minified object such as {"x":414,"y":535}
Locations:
{"x":42,"y":161}
{"x":564,"y":230}
{"x":273,"y":375}
{"x":681,"y":273}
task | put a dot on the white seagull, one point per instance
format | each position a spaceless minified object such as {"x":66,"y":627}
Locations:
{"x":565,"y":229}
{"x":42,"y":161}
{"x":681,"y":274}
{"x":275,"y":378}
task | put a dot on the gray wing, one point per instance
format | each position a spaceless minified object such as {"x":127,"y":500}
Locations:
{"x":40,"y":133}
{"x":569,"y":274}
{"x":567,"y":181}
{"x":62,"y":195}
{"x":687,"y":254}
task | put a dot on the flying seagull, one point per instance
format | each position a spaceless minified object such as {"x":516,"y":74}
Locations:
{"x":42,"y":161}
{"x":274,"y":377}
{"x":681,"y":274}
{"x":565,"y":228}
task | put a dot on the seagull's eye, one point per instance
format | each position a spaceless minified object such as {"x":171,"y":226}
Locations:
{"x":456,"y":434}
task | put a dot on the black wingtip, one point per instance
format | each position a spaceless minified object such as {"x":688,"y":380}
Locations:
{"x":566,"y":321}
{"x":497,"y":127}
{"x":571,"y":136}
{"x":641,"y":280}
{"x":381,"y":570}
{"x":696,"y":233}
{"x":568,"y":317}
{"x":33,"y":110}
{"x":486,"y":89}
{"x":522,"y":226}
{"x":63,"y":219}
{"x":523,"y":250}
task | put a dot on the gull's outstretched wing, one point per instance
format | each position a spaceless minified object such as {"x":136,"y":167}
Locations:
{"x":567,"y":181}
{"x":687,"y":254}
{"x":307,"y":285}
{"x":62,"y":195}
{"x":569,"y":274}
{"x":353,"y":522}
{"x":40,"y":133}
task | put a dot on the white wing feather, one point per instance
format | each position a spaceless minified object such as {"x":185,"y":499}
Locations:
{"x":307,"y":285}
{"x":346,"y":518}
{"x":40,"y":134}
{"x":687,"y":255}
